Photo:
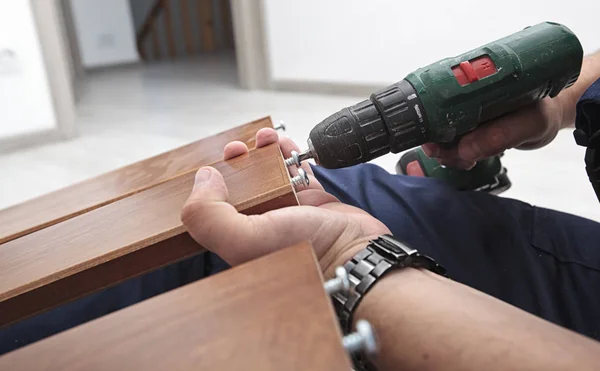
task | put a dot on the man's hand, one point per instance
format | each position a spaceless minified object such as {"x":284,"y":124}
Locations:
{"x":336,"y":231}
{"x":529,"y":128}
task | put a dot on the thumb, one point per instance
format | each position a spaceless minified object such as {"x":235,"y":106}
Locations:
{"x":220,"y":228}
{"x":509,"y":131}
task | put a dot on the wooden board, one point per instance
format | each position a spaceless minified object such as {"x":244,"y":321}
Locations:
{"x":63,"y":204}
{"x":127,"y":237}
{"x":269,"y":314}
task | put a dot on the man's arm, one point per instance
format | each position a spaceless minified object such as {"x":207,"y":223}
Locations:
{"x":426,"y":322}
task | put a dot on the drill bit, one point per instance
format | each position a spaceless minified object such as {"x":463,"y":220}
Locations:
{"x":297,"y":158}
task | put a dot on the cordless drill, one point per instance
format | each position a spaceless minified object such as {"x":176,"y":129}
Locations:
{"x":443,"y":101}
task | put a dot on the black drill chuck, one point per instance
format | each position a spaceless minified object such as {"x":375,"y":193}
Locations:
{"x":392,"y":120}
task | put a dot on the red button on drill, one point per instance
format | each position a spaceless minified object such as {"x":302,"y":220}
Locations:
{"x":474,"y":70}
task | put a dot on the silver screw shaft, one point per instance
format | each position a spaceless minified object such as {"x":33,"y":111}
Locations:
{"x":339,"y":283}
{"x":297,"y":158}
{"x":301,"y":179}
{"x":280,"y":126}
{"x":363,"y":340}
{"x":294,"y":160}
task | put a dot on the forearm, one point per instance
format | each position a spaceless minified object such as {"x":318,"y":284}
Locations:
{"x":426,"y":322}
{"x":590,"y":72}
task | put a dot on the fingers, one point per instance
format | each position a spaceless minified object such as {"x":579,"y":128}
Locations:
{"x":266,"y":136}
{"x":234,"y":149}
{"x":511,"y":131}
{"x":447,"y":156}
{"x":217,"y":225}
{"x":531,"y":127}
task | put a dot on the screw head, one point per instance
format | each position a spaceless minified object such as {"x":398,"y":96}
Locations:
{"x":364,"y":329}
{"x":303,"y":175}
{"x":342,"y":274}
{"x":294,"y":159}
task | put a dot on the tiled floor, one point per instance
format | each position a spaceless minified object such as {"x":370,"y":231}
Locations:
{"x":131,"y":113}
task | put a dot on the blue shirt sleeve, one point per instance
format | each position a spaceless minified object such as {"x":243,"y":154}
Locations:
{"x":588,"y":113}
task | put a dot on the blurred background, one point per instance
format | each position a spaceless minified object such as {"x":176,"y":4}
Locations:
{"x":87,"y":86}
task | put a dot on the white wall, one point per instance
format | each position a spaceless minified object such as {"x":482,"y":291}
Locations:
{"x":376,"y":42}
{"x":25,"y":100}
{"x":105,"y":32}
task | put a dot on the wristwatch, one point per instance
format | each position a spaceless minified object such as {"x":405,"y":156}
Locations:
{"x":381,"y":256}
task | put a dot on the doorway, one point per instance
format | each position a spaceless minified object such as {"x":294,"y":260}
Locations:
{"x":173,"y":29}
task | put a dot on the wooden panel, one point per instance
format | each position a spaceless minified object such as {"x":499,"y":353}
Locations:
{"x":187,"y":27}
{"x":63,"y":204}
{"x":126,"y":238}
{"x":269,"y":314}
{"x":207,"y":32}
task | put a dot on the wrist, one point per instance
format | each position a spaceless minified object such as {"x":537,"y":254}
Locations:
{"x":339,"y":257}
{"x":567,"y":100}
{"x":382,"y":256}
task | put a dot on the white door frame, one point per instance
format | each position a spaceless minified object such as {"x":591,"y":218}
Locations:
{"x":250,"y":44}
{"x":55,"y":50}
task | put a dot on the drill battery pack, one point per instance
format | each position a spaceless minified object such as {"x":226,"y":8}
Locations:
{"x":487,"y":176}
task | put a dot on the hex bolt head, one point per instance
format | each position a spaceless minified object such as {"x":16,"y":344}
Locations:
{"x":280,"y":126}
{"x":341,"y":282}
{"x":301,"y":179}
{"x":363,"y":340}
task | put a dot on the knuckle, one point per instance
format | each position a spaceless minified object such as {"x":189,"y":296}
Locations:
{"x":189,"y":212}
{"x":497,"y":138}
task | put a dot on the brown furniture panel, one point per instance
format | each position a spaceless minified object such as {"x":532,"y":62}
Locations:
{"x":127,"y":237}
{"x":63,"y":204}
{"x":269,"y":314}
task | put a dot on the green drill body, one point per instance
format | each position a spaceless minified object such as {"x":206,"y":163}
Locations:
{"x":532,"y":64}
{"x":447,"y":99}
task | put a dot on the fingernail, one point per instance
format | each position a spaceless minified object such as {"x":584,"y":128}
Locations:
{"x":470,"y":151}
{"x":466,"y":165}
{"x":202,"y":176}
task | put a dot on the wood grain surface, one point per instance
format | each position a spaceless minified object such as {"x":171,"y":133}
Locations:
{"x":63,"y":204}
{"x":126,"y":238}
{"x":268,"y":314}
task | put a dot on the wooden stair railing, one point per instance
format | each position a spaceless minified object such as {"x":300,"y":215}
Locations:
{"x":205,"y":21}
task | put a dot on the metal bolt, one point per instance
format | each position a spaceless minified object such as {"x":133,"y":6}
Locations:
{"x":294,"y":160}
{"x":280,"y":126}
{"x":340,"y":283}
{"x":362,"y":340}
{"x":301,"y":179}
{"x":297,"y":158}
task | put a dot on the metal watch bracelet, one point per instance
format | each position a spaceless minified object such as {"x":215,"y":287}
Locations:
{"x":379,"y":257}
